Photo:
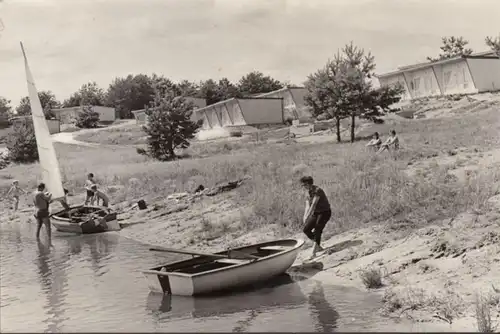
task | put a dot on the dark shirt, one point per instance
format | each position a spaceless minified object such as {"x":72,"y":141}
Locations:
{"x":323,"y":205}
{"x":41,"y":201}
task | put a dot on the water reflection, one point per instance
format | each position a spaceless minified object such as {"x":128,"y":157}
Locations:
{"x":284,"y":292}
{"x":53,"y":280}
{"x":100,"y":247}
{"x":322,"y":310}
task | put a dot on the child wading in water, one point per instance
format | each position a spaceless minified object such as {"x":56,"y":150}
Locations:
{"x":15,"y":191}
{"x":316,"y":214}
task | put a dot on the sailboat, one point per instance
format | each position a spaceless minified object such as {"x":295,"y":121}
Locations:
{"x":77,"y":219}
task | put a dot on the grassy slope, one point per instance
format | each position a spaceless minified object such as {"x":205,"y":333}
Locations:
{"x":365,"y":191}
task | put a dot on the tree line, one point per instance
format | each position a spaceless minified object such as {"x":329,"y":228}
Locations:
{"x":341,"y":89}
{"x":134,"y":92}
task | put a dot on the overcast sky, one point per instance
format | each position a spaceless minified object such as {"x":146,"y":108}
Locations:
{"x":71,"y":42}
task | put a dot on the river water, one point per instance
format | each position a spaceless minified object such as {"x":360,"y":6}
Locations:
{"x":93,"y":283}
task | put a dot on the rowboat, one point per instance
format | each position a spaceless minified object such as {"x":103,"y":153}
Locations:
{"x":51,"y":174}
{"x":85,"y":220}
{"x":208,"y":273}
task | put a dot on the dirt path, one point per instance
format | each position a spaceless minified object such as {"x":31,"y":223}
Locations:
{"x":69,"y":137}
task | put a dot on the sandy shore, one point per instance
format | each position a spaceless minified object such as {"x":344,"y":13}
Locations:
{"x":431,"y":274}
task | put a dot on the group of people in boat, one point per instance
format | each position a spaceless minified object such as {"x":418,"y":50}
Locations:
{"x":42,"y":200}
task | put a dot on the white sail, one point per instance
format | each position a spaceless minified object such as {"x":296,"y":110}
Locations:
{"x":51,"y":174}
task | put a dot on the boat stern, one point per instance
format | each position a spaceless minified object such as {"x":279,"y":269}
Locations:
{"x":166,"y":283}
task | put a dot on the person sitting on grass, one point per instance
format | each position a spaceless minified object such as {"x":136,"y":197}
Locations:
{"x":392,"y":140}
{"x":15,"y":191}
{"x":316,"y":214}
{"x":100,"y":196}
{"x":375,"y":142}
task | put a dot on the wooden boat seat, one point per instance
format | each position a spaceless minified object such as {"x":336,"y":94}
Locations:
{"x":275,"y":248}
{"x":232,"y":261}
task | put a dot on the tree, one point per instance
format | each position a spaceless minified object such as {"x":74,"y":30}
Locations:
{"x":256,"y":82}
{"x":188,"y":88}
{"x":227,"y":89}
{"x":452,"y":47}
{"x":5,"y":112}
{"x":87,"y":118}
{"x":88,"y":94}
{"x":209,"y":90}
{"x":5,"y":108}
{"x":343,"y":89}
{"x":169,"y":126}
{"x":494,"y":43}
{"x":47,"y":99}
{"x":21,"y":143}
{"x":323,"y":92}
{"x":130,"y":93}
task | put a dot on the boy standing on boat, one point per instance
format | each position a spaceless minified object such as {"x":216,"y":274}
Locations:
{"x":316,"y":214}
{"x":42,"y":200}
{"x":15,"y":191}
{"x":88,"y":186}
{"x":100,"y":196}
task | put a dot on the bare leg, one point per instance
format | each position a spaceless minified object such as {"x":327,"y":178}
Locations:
{"x":38,"y":228}
{"x":49,"y":230}
{"x":16,"y":203}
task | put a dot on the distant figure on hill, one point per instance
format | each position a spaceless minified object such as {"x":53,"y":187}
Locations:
{"x":316,"y":214}
{"x":376,"y":142}
{"x":15,"y":191}
{"x":392,"y":140}
{"x":100,"y":196}
{"x":90,"y":197}
{"x":42,"y":200}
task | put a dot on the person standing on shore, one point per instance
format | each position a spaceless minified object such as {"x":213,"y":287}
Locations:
{"x":42,"y":200}
{"x":15,"y":191}
{"x":316,"y":214}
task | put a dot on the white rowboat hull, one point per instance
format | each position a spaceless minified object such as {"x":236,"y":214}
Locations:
{"x":251,"y":272}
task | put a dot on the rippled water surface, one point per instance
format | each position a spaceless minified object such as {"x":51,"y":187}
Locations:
{"x":93,"y":283}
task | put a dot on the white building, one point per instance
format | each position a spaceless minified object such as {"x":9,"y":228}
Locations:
{"x":471,"y":74}
{"x":244,"y":111}
{"x":141,"y":117}
{"x":69,"y":115}
{"x":293,"y":102}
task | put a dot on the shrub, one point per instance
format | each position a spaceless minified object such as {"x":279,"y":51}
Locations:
{"x":372,"y":278}
{"x":170,"y":126}
{"x":87,"y":118}
{"x":21,"y":143}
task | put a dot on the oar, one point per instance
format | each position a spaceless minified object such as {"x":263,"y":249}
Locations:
{"x":179,"y":251}
{"x":193,"y":253}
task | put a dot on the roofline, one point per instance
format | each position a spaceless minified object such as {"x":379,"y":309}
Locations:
{"x":410,"y":68}
{"x":238,"y":99}
{"x":279,"y":90}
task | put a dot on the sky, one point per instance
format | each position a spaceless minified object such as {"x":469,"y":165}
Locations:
{"x":72,"y":42}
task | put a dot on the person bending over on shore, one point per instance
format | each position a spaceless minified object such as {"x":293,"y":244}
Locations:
{"x":316,"y":214}
{"x":42,"y":200}
{"x":392,"y":140}
{"x":15,"y":191}
{"x":100,"y":196}
{"x":90,"y":197}
{"x":375,"y":142}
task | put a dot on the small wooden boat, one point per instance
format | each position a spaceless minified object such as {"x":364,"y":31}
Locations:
{"x":209,"y":273}
{"x":85,"y":219}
